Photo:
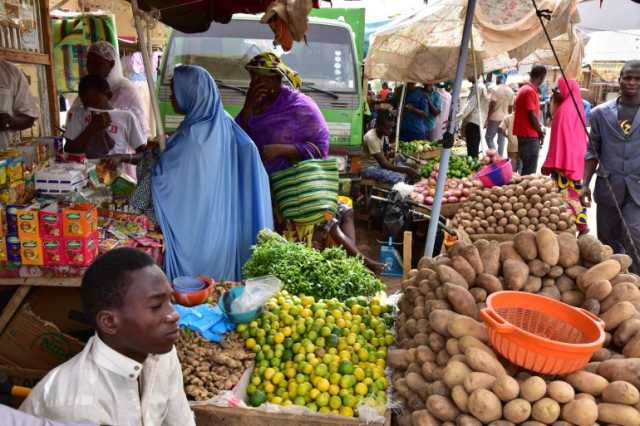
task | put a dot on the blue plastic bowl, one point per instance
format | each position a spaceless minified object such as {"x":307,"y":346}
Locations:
{"x":228,"y":298}
{"x":186,"y":284}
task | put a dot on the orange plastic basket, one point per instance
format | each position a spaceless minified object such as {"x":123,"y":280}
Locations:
{"x":541,"y":334}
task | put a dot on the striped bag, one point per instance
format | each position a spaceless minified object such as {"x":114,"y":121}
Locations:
{"x":307,"y":193}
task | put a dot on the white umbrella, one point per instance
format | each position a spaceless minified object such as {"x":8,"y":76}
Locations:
{"x":424,"y":47}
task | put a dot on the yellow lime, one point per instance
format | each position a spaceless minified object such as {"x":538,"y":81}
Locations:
{"x":361,"y":389}
{"x":348,"y":381}
{"x":324,"y":410}
{"x":334,"y":378}
{"x":323,"y":385}
{"x":277,"y":378}
{"x":314,"y":393}
{"x":346,"y":411}
{"x":323,"y":400}
{"x":359,"y":374}
{"x":268,"y":388}
{"x":335,"y":402}
{"x":334,"y":390}
{"x":322,"y":370}
{"x":269,"y":373}
{"x":276,"y":400}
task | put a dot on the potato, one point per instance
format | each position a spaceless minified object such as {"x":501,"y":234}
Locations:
{"x":590,"y":383}
{"x":424,"y":354}
{"x":538,"y":268}
{"x":455,"y":373}
{"x":416,"y":383}
{"x":581,"y":412}
{"x":591,"y":249}
{"x":397,"y":358}
{"x":560,"y":391}
{"x":452,"y":347}
{"x":546,"y":411}
{"x":632,"y":348}
{"x":617,"y":314}
{"x":602,"y":271}
{"x":439,"y":388}
{"x":550,"y":291}
{"x":472,"y":255}
{"x":442,"y":408}
{"x":490,"y":255}
{"x":573,"y":298}
{"x":621,"y":369}
{"x":471,"y":342}
{"x":488,"y":282}
{"x":533,"y":284}
{"x":525,"y":244}
{"x":423,"y":418}
{"x":548,"y":246}
{"x":508,"y":251}
{"x":461,"y":300}
{"x":515,"y":274}
{"x":618,"y":414}
{"x":485,"y":406}
{"x":621,"y":392}
{"x":592,"y":367}
{"x":460,"y":397}
{"x":585,"y":396}
{"x":440,"y":319}
{"x":575,"y":271}
{"x":556,"y":272}
{"x":465,"y":326}
{"x":564,"y":283}
{"x":533,"y":388}
{"x":466,"y":420}
{"x":601,"y":355}
{"x":620,"y":293}
{"x":436,"y":342}
{"x":479,"y":294}
{"x":517,"y":410}
{"x":480,"y":361}
{"x":443,"y":358}
{"x":599,"y":290}
{"x":569,"y":252}
{"x":506,"y":388}
{"x":430,"y":371}
{"x":446,"y":274}
{"x":592,"y":305}
{"x":624,"y":260}
{"x":476,"y":380}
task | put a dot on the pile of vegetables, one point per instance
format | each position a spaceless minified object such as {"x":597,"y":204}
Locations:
{"x":529,"y":202}
{"x":209,"y":368}
{"x":456,"y":190}
{"x":416,"y":147}
{"x":325,"y":355}
{"x":326,"y":274}
{"x":445,"y":371}
{"x":459,"y":167}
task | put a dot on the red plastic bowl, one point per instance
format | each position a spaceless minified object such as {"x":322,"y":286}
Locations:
{"x":541,"y":334}
{"x":193,"y":298}
{"x":496,"y":174}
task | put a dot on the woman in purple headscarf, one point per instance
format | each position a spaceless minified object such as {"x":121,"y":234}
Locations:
{"x":286,"y":125}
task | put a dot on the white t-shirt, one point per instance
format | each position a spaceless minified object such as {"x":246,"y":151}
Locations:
{"x":124,"y":129}
{"x":15,"y":97}
{"x":372,"y":145}
{"x":503,"y":96}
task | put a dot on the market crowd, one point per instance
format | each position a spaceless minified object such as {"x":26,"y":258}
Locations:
{"x":129,"y":372}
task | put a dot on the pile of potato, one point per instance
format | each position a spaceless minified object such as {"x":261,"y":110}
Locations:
{"x":446,"y":372}
{"x":209,"y":368}
{"x":529,"y":202}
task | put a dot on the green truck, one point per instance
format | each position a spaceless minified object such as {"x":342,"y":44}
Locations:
{"x":330,"y":66}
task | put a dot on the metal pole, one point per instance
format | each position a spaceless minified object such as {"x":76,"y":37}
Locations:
{"x":448,"y":136}
{"x":155,"y":104}
{"x":400,"y":108}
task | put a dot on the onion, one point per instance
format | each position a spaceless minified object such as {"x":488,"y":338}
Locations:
{"x":428,"y":200}
{"x":465,"y":192}
{"x":456,"y":193}
{"x":452,"y":199}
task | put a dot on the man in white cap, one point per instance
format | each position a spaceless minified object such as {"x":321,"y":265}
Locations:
{"x":18,"y":108}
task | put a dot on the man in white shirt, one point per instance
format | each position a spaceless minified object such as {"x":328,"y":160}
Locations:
{"x":129,"y":373}
{"x":18,"y":108}
{"x":501,"y":99}
{"x":474,"y":115}
{"x":11,"y":417}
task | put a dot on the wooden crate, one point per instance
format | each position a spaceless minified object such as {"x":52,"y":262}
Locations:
{"x":209,"y":415}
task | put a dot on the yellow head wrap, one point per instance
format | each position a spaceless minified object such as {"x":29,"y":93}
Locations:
{"x":269,"y":64}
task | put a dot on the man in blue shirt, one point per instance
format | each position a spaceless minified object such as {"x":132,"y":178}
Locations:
{"x":434,"y":105}
{"x":414,"y":124}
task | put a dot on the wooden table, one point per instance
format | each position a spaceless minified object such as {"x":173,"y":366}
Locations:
{"x":24,"y":286}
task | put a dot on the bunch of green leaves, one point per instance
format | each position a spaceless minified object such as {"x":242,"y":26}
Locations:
{"x":323,"y":274}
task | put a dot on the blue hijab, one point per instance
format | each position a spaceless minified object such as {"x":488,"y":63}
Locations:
{"x":210,"y":190}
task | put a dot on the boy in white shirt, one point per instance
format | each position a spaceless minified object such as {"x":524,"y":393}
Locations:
{"x":128,"y":373}
{"x":97,"y":116}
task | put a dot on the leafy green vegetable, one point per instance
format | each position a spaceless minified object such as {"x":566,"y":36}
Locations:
{"x":323,"y":274}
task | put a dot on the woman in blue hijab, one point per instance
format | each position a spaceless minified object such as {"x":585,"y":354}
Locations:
{"x":210,"y":190}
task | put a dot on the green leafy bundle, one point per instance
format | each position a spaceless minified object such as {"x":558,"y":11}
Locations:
{"x":323,"y":274}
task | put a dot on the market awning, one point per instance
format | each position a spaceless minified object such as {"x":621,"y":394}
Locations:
{"x":424,"y":47}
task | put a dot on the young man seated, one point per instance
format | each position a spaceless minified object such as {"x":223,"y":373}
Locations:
{"x":375,"y":164}
{"x":128,"y":373}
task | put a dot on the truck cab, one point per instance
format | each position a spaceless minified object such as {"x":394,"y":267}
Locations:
{"x":329,"y":64}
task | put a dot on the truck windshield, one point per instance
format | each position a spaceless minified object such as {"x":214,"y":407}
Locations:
{"x":326,"y":63}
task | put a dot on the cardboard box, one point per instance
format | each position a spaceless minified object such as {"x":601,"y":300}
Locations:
{"x":28,"y":341}
{"x":13,"y":249}
{"x":28,"y":224}
{"x":80,"y":251}
{"x":18,"y":376}
{"x":79,"y":220}
{"x":3,"y":250}
{"x":31,"y":252}
{"x":50,"y":222}
{"x":53,"y":252}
